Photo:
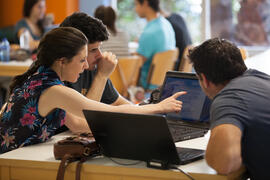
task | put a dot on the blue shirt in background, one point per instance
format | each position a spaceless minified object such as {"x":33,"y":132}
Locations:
{"x":157,"y":36}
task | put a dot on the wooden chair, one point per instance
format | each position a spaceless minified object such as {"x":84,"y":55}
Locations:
{"x":161,"y":63}
{"x":185,"y":65}
{"x":126,"y":73}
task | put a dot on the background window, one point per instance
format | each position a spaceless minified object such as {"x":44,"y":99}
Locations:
{"x":244,"y":22}
{"x":189,"y":9}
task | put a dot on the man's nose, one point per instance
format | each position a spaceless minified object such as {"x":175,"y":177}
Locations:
{"x":86,"y":65}
{"x":99,"y":53}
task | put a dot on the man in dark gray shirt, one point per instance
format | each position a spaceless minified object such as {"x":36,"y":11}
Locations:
{"x":240,"y":113}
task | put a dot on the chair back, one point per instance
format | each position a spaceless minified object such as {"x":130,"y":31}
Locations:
{"x":161,"y":63}
{"x":126,"y":73}
{"x":185,"y":64}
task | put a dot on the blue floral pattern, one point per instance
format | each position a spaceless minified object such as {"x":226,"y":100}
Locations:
{"x":21,"y":123}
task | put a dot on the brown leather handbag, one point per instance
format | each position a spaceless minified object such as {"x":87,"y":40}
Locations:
{"x":78,"y":147}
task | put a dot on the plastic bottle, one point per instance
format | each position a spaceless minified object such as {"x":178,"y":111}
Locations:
{"x":5,"y":50}
{"x":24,"y":40}
{"x":1,"y":51}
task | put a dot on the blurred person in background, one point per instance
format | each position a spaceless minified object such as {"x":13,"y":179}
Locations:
{"x":118,"y":40}
{"x":252,"y":29}
{"x":157,"y":36}
{"x":32,"y":23}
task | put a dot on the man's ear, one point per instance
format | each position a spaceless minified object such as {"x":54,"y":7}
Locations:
{"x":204,"y":81}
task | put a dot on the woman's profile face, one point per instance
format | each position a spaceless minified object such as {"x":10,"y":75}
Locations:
{"x":39,"y":9}
{"x":71,"y":70}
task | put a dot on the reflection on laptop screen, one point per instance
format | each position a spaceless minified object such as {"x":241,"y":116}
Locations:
{"x":195,"y":103}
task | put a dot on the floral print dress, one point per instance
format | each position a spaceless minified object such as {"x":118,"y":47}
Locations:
{"x":21,"y":124}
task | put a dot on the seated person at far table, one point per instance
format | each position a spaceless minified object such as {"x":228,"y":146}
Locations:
{"x":32,"y":23}
{"x":157,"y":36}
{"x":240,"y":113}
{"x":39,"y":102}
{"x":118,"y":40}
{"x":94,"y":82}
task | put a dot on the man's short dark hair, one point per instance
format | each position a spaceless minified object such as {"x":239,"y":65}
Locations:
{"x":93,"y":28}
{"x":154,"y":4}
{"x":218,"y":59}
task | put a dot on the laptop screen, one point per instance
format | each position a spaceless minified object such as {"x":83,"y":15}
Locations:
{"x":196,"y":104}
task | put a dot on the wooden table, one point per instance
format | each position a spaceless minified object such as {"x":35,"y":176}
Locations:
{"x":14,"y":68}
{"x":37,"y":162}
{"x":126,"y":72}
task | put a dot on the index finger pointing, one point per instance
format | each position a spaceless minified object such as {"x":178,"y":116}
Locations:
{"x":176,"y":95}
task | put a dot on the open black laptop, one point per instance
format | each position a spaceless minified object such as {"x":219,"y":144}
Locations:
{"x":138,"y":137}
{"x":193,"y":120}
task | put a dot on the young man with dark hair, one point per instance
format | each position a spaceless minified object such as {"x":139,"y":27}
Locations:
{"x":157,"y":36}
{"x":94,"y":83}
{"x":240,"y":113}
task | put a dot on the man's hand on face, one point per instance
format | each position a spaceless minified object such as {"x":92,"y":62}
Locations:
{"x":106,"y":64}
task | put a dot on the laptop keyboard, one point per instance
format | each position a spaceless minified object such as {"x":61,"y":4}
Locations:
{"x":181,"y":133}
{"x":188,"y":155}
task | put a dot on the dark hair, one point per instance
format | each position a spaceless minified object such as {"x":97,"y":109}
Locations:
{"x":57,"y":43}
{"x":218,"y":59}
{"x":93,"y":28}
{"x":27,"y":8}
{"x":154,"y":4}
{"x":108,"y":16}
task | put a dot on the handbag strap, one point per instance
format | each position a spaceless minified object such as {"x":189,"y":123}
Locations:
{"x":79,"y":167}
{"x":66,"y":160}
{"x":62,"y":167}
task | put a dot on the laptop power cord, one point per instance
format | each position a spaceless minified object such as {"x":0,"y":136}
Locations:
{"x":182,"y":171}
